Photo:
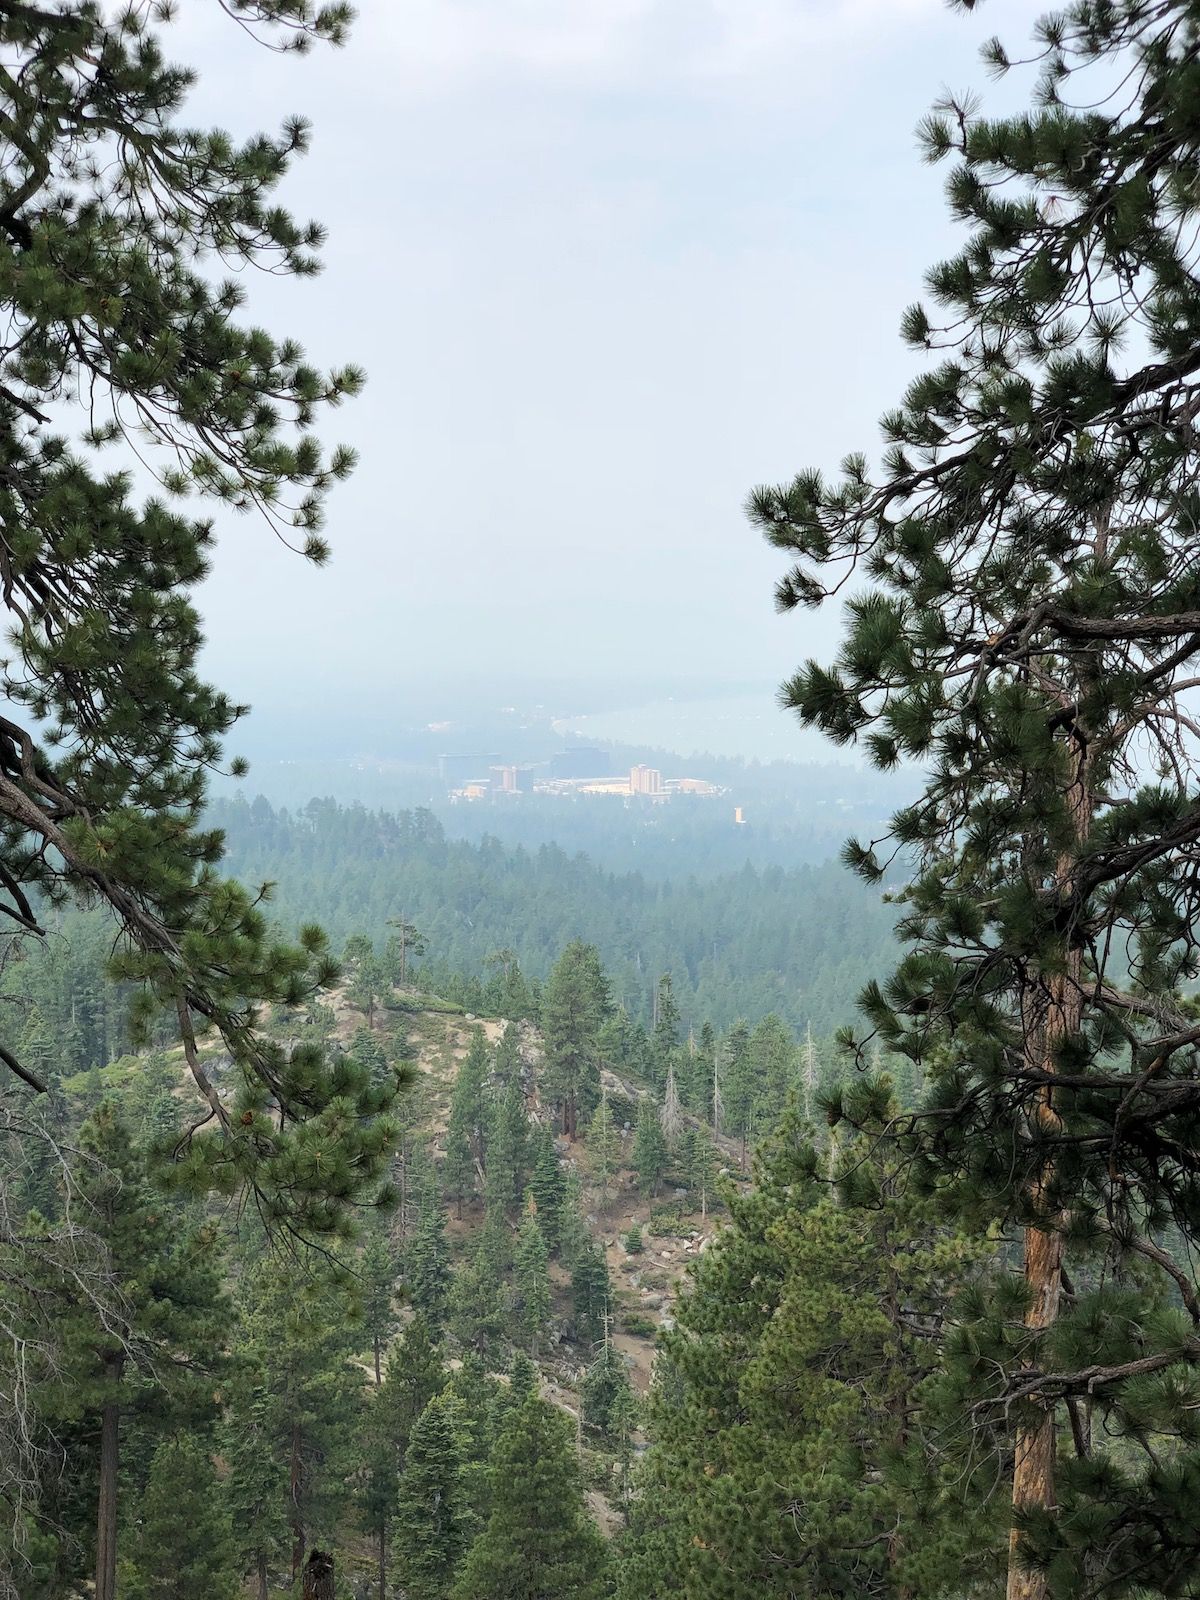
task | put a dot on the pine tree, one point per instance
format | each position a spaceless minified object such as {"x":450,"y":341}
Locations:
{"x":700,"y":1167}
{"x":606,"y":1390}
{"x":169,"y":1325}
{"x":547,"y":1185}
{"x":507,"y":1139}
{"x":671,"y":1112}
{"x":506,"y":1065}
{"x":538,"y":1541}
{"x":1023,"y":626}
{"x":603,"y":1147}
{"x":427,"y":1264}
{"x":591,"y":1293}
{"x":415,"y":1373}
{"x":378,"y":1272}
{"x":649,"y":1148}
{"x":774,"y":1068}
{"x":532,"y":1281}
{"x":665,"y":1038}
{"x":182,"y":1545}
{"x":109,"y":732}
{"x":427,"y":1535}
{"x":738,"y":1086}
{"x":574,"y":1005}
{"x":255,"y":1490}
{"x":788,"y":1395}
{"x":295,"y":1349}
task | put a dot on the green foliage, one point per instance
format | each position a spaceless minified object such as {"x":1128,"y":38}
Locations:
{"x":183,"y":1543}
{"x":538,"y":1540}
{"x":574,"y":1004}
{"x":650,"y":1153}
{"x":799,"y":941}
{"x":606,"y":1393}
{"x":1024,"y":585}
{"x":548,"y":1186}
{"x":591,"y":1293}
{"x":507,"y":1144}
{"x":109,"y":732}
{"x":428,"y":1536}
{"x":532,"y":1282}
{"x":295,"y":1349}
{"x":427,"y":1264}
{"x":787,"y":1396}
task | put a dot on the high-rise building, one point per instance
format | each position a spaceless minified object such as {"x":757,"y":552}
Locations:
{"x":645,"y":780}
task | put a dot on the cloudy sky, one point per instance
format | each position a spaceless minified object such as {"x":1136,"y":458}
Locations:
{"x":608,"y":263}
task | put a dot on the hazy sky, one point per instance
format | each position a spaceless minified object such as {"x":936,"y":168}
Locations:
{"x":608,"y":263}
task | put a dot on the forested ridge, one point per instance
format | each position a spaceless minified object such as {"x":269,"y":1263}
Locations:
{"x":471,"y":1222}
{"x":799,"y":942}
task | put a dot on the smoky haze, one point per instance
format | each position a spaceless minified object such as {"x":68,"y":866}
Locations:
{"x":606,"y":267}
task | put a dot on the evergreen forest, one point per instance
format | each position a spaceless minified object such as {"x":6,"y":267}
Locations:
{"x":616,"y":1203}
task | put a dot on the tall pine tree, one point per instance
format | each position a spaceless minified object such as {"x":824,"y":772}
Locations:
{"x":1025,"y":624}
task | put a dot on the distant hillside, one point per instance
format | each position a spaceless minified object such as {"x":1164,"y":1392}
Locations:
{"x":798,"y":942}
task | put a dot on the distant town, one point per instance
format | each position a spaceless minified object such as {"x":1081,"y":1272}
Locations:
{"x":580,"y":770}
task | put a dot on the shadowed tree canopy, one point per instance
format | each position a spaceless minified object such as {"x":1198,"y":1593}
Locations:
{"x":120,"y":343}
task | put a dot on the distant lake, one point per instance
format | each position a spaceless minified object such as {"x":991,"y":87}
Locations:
{"x":747,"y":725}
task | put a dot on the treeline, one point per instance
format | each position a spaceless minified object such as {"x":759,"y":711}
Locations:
{"x":799,"y":943}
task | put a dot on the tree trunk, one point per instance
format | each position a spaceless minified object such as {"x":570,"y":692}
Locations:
{"x":263,"y":1591}
{"x":383,"y":1562}
{"x":1034,"y":1461}
{"x":378,"y":1362}
{"x":295,"y":1473}
{"x":318,"y":1577}
{"x":106,"y":1515}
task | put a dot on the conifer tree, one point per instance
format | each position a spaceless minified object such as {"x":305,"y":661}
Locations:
{"x":774,"y":1068}
{"x":538,"y":1540}
{"x":671,"y":1112}
{"x":649,"y":1148}
{"x":1024,"y":625}
{"x":415,"y":1373}
{"x":255,"y":1490}
{"x":427,"y":1264}
{"x":665,"y":1039}
{"x":507,"y":1139}
{"x":506,"y":1064}
{"x":789,"y":1393}
{"x":170,"y":1326}
{"x":606,"y":1390}
{"x":591,"y":1292}
{"x":574,"y":1005}
{"x":699,"y":1162}
{"x":108,"y":733}
{"x":603,"y":1147}
{"x":378,"y":1271}
{"x":428,"y":1535}
{"x":548,"y":1186}
{"x":532,"y":1281}
{"x":737,"y":1086}
{"x":182,"y":1544}
{"x":295,"y":1347}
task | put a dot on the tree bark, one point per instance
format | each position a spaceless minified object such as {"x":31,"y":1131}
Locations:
{"x":106,"y":1513}
{"x":295,"y":1474}
{"x":263,"y":1591}
{"x":383,"y":1563}
{"x":318,"y":1577}
{"x":1034,"y":1460}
